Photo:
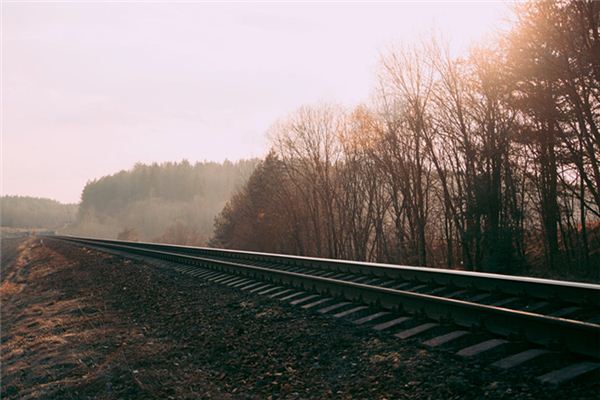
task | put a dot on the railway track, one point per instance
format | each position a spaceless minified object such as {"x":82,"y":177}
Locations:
{"x":510,"y":321}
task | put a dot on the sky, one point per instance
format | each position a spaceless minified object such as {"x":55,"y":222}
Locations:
{"x":90,"y":88}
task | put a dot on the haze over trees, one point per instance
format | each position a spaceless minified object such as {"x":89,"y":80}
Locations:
{"x":489,"y":162}
{"x":33,"y":212}
{"x":169,"y":202}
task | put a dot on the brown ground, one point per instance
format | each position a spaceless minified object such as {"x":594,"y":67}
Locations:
{"x":77,"y":324}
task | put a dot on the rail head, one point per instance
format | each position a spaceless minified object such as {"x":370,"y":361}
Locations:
{"x":568,"y":291}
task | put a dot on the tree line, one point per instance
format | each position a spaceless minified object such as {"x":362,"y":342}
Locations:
{"x":33,"y":212}
{"x":173,"y":202}
{"x":489,"y":162}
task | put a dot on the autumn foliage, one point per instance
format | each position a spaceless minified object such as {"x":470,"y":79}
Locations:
{"x":489,"y":162}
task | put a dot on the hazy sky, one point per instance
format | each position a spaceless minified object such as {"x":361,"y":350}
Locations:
{"x":90,"y":88}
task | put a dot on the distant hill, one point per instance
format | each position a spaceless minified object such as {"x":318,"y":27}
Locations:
{"x":171,"y":202}
{"x":33,"y":212}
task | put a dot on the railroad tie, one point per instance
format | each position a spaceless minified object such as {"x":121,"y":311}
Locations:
{"x":568,"y":373}
{"x":316,"y":303}
{"x":519,"y":358}
{"x":270,"y":290}
{"x":563,"y":312}
{"x":333,"y":307}
{"x":282,"y":292}
{"x":256,"y":289}
{"x":303,"y":299}
{"x":252,"y":285}
{"x":405,"y":334}
{"x":389,"y":324}
{"x":481,"y":347}
{"x":242,"y":283}
{"x":350,"y":311}
{"x":291,"y":296}
{"x":371,"y":317}
{"x":504,"y":302}
{"x":443,"y":339}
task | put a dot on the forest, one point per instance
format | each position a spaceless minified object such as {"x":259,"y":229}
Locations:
{"x":488,"y":162}
{"x":33,"y":212}
{"x":172,"y":202}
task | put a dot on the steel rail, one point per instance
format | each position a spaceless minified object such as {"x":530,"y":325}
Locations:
{"x":579,"y":337}
{"x":546,"y":289}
